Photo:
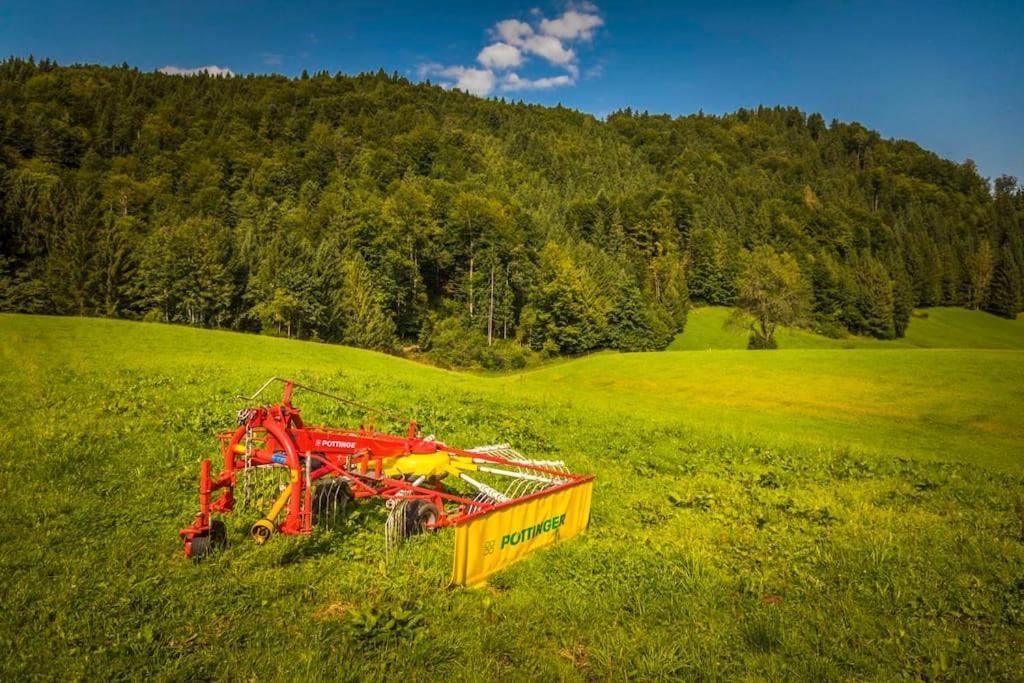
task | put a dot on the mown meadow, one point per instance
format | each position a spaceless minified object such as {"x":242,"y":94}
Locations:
{"x":817,"y":514}
{"x":935,"y":328}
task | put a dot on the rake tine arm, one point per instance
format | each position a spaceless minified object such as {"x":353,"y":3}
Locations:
{"x":351,"y":477}
{"x":498,"y":460}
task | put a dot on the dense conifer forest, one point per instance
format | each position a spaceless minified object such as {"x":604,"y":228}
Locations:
{"x":372,"y":211}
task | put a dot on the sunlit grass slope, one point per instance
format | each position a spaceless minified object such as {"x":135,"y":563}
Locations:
{"x":798,"y":515}
{"x":958,"y":328}
{"x":936,"y":328}
{"x":929,"y":403}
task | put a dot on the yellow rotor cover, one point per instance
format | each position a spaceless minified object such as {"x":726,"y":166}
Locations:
{"x":428,"y":465}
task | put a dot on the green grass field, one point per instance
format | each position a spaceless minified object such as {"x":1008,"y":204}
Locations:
{"x":933,"y":328}
{"x":816,"y":514}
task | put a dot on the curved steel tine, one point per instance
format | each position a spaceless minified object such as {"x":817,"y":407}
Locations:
{"x":334,"y":503}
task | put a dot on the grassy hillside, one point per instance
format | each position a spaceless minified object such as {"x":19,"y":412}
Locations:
{"x":821,"y":515}
{"x":933,"y":328}
{"x":956,"y":328}
{"x":935,"y":404}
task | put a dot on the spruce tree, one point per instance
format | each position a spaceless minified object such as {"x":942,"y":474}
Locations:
{"x":566,"y":314}
{"x":632,"y":326}
{"x":902,"y":303}
{"x":364,"y":322}
{"x":704,"y":277}
{"x":1005,"y":295}
{"x":870,"y":309}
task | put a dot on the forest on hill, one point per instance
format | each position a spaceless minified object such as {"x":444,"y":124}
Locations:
{"x":376,"y":212}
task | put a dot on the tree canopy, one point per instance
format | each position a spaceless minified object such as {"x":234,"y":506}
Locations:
{"x":374,"y":211}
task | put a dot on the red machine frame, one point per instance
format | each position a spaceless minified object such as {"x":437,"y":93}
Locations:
{"x":355,"y":456}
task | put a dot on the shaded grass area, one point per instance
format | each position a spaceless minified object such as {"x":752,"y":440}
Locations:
{"x":932,"y":328}
{"x":710,"y":555}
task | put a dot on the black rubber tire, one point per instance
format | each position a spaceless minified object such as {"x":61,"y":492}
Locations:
{"x":213,"y":541}
{"x":326,"y":493}
{"x":418,"y":513}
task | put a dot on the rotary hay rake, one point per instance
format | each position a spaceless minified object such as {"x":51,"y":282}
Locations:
{"x":502,"y":505}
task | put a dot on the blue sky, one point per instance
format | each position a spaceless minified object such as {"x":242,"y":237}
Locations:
{"x":947,"y":75}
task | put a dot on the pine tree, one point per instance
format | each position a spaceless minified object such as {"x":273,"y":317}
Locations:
{"x":1005,"y":294}
{"x":870,"y":308}
{"x":666,"y":286}
{"x":632,"y":325}
{"x":704,"y":276}
{"x":828,"y":296}
{"x":902,"y":303}
{"x":565,"y":316}
{"x":364,"y":322}
{"x":981,"y":266}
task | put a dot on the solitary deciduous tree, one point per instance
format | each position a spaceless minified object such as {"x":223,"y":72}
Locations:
{"x":771,"y":291}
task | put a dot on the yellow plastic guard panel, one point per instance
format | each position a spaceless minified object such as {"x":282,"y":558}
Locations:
{"x":496,"y":540}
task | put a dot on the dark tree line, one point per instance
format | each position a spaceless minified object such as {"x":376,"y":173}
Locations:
{"x":376,"y":212}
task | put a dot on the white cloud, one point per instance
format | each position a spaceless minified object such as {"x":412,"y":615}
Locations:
{"x":550,"y":48}
{"x":513,"y":82}
{"x":513,"y":31}
{"x":478,"y":82}
{"x":521,"y":35}
{"x":514,"y":42}
{"x":500,"y":56}
{"x":572,"y":25}
{"x":474,"y":81}
{"x":427,"y":69}
{"x":212,"y":70}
